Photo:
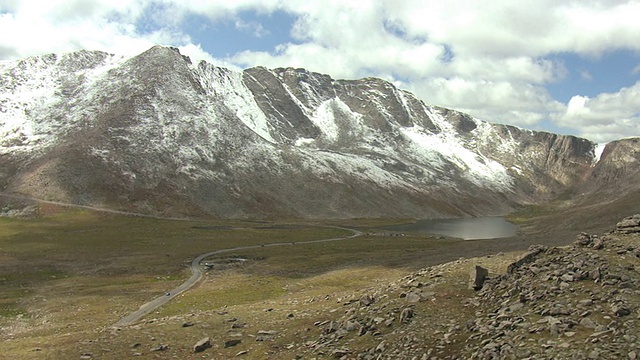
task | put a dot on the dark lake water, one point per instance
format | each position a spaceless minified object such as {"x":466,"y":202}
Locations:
{"x":489,"y":227}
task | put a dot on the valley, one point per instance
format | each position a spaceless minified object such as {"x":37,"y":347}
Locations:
{"x":71,"y":273}
{"x":232,"y":200}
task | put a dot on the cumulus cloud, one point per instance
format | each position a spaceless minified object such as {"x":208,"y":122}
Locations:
{"x":491,"y":59}
{"x":605,"y":117}
{"x":34,"y":28}
{"x":511,"y":102}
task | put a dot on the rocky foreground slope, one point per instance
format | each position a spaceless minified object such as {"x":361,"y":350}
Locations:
{"x":156,"y":133}
{"x":576,"y":302}
{"x":580,"y":301}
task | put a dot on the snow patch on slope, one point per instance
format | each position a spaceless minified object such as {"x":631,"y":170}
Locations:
{"x":228,"y":85}
{"x":328,"y":116}
{"x":32,"y":89}
{"x":336,"y":166}
{"x":476,"y":168}
{"x":599,"y":149}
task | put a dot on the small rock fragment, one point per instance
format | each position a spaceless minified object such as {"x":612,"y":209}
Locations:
{"x":232,"y":342}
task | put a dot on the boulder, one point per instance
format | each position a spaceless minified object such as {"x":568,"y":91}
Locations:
{"x":529,"y":256}
{"x":202,"y":345}
{"x":160,"y":347}
{"x":366,"y":300}
{"x":477,"y":278}
{"x":629,"y":225}
{"x":406,"y":314}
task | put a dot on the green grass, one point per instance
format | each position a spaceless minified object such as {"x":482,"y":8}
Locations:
{"x":529,"y":212}
{"x":82,"y":264}
{"x":67,"y":277}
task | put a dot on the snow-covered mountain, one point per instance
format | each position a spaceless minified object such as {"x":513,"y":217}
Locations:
{"x":159,"y":134}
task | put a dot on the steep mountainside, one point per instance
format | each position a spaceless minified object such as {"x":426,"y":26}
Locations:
{"x":158,"y":134}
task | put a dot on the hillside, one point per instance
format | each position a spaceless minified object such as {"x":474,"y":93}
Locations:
{"x":362,"y":298}
{"x":155,"y":133}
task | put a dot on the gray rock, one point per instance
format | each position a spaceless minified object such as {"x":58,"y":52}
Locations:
{"x":406,"y":314}
{"x":477,"y":277}
{"x":567,"y":278}
{"x":202,"y":345}
{"x":598,"y":244}
{"x":413,"y":297}
{"x":621,"y":310}
{"x":528,"y":257}
{"x":333,"y":327}
{"x":160,"y":347}
{"x":232,"y":342}
{"x":588,"y":323}
{"x":629,"y":225}
{"x":351,"y":326}
{"x":366,"y":300}
{"x":267,"y":332}
{"x":339,"y":353}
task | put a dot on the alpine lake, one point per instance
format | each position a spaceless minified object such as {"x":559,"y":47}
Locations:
{"x":474,"y":228}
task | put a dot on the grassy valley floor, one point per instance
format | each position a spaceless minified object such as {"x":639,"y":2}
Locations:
{"x":66,"y":277}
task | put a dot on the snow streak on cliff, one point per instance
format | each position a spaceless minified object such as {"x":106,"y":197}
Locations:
{"x":154,"y":129}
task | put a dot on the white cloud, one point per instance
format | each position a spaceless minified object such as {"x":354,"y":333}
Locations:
{"x":605,"y":117}
{"x":197,"y":54}
{"x":490,"y":59}
{"x":516,"y":103}
{"x":585,"y":75}
{"x":255,"y":28}
{"x":526,"y":27}
{"x":34,"y":28}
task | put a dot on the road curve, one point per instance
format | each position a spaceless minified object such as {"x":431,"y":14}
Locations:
{"x":196,"y":270}
{"x":196,"y":275}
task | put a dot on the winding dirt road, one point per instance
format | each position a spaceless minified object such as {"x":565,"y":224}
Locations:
{"x":196,"y":269}
{"x":196,"y":275}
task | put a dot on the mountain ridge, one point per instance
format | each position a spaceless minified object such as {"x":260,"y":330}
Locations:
{"x":156,"y":133}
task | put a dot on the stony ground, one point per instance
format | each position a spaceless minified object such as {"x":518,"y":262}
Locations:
{"x":574,"y":302}
{"x":579,"y":301}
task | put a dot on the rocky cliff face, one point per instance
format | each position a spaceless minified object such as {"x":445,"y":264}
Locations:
{"x":618,"y":169}
{"x":156,"y":133}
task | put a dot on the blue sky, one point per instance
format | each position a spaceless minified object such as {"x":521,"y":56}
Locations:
{"x":571,"y":67}
{"x":249,"y":31}
{"x":590,"y":75}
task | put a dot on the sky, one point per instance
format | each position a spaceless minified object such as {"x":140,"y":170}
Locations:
{"x":569,"y":67}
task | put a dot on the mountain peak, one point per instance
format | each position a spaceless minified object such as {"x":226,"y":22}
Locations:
{"x":152,"y":130}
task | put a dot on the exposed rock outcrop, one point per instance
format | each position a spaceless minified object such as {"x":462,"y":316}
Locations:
{"x":629,"y":225}
{"x":580,"y":301}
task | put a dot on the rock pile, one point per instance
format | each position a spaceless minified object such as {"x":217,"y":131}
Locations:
{"x":576,"y":302}
{"x":629,"y":225}
{"x":581,"y":301}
